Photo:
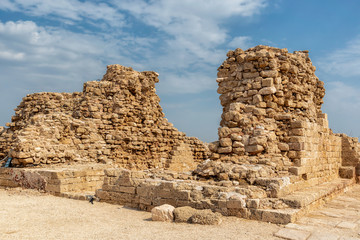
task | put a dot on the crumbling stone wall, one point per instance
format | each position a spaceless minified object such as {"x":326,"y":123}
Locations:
{"x":276,"y":157}
{"x":116,"y":120}
{"x":262,"y":91}
{"x":5,"y":141}
{"x":272,"y":109}
{"x":350,"y":157}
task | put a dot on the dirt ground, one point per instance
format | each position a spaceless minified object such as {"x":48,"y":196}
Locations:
{"x":26,"y":214}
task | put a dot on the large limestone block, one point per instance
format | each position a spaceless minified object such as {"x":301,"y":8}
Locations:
{"x":267,"y":90}
{"x":225,"y":142}
{"x":254,"y":149}
{"x":164,"y":213}
{"x":269,"y":73}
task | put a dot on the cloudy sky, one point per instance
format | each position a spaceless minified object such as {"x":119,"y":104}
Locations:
{"x":55,"y":46}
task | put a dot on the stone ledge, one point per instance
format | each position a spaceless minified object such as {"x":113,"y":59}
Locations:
{"x":309,"y":195}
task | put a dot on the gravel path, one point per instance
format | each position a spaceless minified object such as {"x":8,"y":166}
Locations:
{"x":27,"y":214}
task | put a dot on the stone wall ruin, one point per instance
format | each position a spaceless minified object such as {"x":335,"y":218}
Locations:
{"x":117,"y":120}
{"x":276,"y":157}
{"x":272,"y":116}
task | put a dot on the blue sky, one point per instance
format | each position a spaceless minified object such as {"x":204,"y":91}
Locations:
{"x":56,"y":46}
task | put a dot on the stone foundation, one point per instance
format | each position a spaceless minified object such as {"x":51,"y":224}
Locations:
{"x":148,"y":189}
{"x":58,"y":182}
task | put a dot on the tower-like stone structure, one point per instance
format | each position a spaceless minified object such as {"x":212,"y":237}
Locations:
{"x":272,"y":110}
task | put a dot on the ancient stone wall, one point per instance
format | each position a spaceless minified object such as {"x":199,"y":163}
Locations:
{"x":116,"y":120}
{"x":272,"y":109}
{"x":316,"y":153}
{"x":350,"y":157}
{"x":150,"y":188}
{"x":146,"y":189}
{"x":262,"y":91}
{"x":64,"y":181}
{"x":5,"y":141}
{"x":350,"y":151}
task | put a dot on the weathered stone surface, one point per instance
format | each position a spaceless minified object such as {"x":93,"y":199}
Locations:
{"x":183,"y":214}
{"x":347,"y":225}
{"x":267,"y":90}
{"x":269,"y":73}
{"x":276,"y":104}
{"x":164,"y":213}
{"x":192,"y":215}
{"x":206,"y":217}
{"x":274,"y":140}
{"x":117,"y":121}
{"x":254,"y":149}
{"x":292,"y":234}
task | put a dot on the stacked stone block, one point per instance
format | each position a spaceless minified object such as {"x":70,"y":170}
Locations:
{"x":272,"y":110}
{"x":5,"y":141}
{"x":58,"y":182}
{"x":262,"y":90}
{"x":350,"y":157}
{"x":146,"y":190}
{"x":316,"y":153}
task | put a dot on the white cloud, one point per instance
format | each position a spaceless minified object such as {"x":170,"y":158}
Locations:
{"x":193,"y":33}
{"x":9,"y":55}
{"x":342,"y":104}
{"x":7,"y":5}
{"x":48,"y":54}
{"x":73,"y":10}
{"x":197,"y":21}
{"x":243,"y":42}
{"x":345,"y":61}
{"x":188,"y":82}
{"x":189,"y":39}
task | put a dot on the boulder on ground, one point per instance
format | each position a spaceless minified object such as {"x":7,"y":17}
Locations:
{"x":206,"y":217}
{"x":164,"y":213}
{"x":192,"y":215}
{"x":183,"y":214}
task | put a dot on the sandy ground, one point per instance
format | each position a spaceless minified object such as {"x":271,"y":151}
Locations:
{"x":26,"y":214}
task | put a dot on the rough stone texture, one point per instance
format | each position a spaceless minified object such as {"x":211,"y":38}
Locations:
{"x":272,"y":121}
{"x":206,"y":217}
{"x":192,"y":215}
{"x":183,"y":214}
{"x":350,"y":155}
{"x":163,"y":213}
{"x":116,"y":120}
{"x":275,"y":159}
{"x":56,"y":181}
